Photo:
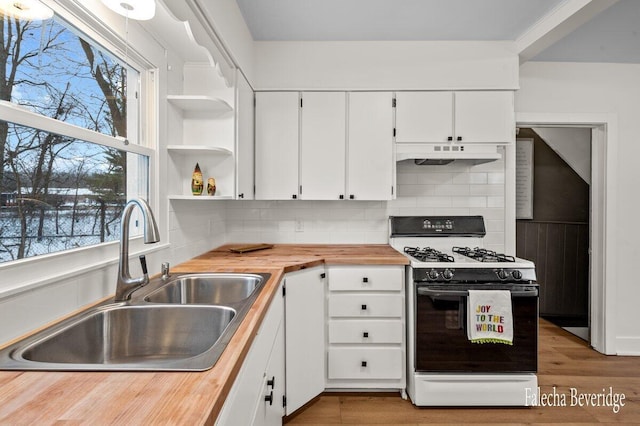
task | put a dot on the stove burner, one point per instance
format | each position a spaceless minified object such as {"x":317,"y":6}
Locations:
{"x":428,"y":254}
{"x":483,"y":255}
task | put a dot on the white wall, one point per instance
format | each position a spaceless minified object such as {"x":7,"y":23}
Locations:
{"x":453,"y":189}
{"x":385,"y":65}
{"x":571,"y":88}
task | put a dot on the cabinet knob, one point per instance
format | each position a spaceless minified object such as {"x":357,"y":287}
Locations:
{"x":449,"y":138}
{"x":365,"y":279}
{"x":352,"y":197}
{"x":363,"y":363}
{"x":323,"y":275}
{"x":294,"y":196}
{"x":272,"y":382}
{"x":241,"y":195}
{"x":341,"y":196}
{"x":363,"y":307}
{"x":365,"y":334}
{"x":459,"y":138}
{"x":269,"y":398}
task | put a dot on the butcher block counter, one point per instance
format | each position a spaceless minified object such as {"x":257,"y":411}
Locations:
{"x":190,"y":398}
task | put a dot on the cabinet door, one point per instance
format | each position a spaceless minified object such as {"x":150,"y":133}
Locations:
{"x":304,"y":336}
{"x":245,"y":402}
{"x":277,"y":129}
{"x":370,"y":146}
{"x":322,"y":145}
{"x":487,"y":117}
{"x":424,"y":116}
{"x":244,"y":141}
{"x":270,"y":410}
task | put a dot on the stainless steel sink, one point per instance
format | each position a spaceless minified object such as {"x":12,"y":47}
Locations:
{"x":183,"y":324}
{"x":132,"y":335}
{"x":212,"y":289}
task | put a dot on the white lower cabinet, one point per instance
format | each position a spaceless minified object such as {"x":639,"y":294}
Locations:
{"x":305,"y":337}
{"x":336,"y":328}
{"x":256,"y":397}
{"x":365,"y":323}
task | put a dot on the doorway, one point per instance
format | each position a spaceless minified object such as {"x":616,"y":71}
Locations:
{"x":553,"y":220}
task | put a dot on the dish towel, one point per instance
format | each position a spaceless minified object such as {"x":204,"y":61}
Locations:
{"x":489,"y":317}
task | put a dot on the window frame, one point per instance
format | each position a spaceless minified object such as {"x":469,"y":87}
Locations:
{"x":88,"y":18}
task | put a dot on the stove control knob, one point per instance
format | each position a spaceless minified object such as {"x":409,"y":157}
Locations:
{"x":447,"y":274}
{"x":516,"y":275}
{"x":433,"y":274}
{"x":502,"y":274}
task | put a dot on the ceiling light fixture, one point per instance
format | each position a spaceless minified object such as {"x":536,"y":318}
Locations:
{"x":140,"y":10}
{"x":27,"y":10}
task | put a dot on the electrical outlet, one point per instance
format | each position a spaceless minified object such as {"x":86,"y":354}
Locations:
{"x":299,"y":225}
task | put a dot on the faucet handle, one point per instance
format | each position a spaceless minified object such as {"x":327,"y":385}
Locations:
{"x":165,"y":270}
{"x":143,"y":264}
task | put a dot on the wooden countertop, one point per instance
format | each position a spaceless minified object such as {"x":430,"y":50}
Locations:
{"x":190,"y":398}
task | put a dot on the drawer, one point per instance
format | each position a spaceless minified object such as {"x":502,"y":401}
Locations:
{"x":365,"y":305}
{"x":365,"y":331}
{"x":372,"y":278}
{"x":365,"y":363}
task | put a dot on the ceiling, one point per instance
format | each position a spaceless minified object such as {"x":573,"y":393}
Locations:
{"x":609,"y":33}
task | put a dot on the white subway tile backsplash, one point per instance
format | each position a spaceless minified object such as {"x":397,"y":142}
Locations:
{"x":435,"y":202}
{"x":469,"y":201}
{"x":490,"y":190}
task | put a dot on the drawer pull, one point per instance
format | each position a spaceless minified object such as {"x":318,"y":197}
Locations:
{"x":363,"y":363}
{"x":365,"y":334}
{"x":272,"y":382}
{"x":269,"y":398}
{"x":365,"y":280}
{"x":363,"y":307}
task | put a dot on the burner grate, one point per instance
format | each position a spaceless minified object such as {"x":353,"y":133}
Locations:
{"x":483,"y":255}
{"x":428,"y":254}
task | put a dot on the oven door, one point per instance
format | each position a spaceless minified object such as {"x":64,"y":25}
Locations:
{"x":441,"y":343}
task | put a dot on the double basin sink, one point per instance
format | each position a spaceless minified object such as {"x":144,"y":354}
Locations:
{"x":182,"y":323}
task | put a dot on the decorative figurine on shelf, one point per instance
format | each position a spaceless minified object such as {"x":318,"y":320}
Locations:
{"x":211,"y":186}
{"x":197,"y":183}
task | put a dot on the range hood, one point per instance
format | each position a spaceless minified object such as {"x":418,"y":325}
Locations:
{"x":435,"y":154}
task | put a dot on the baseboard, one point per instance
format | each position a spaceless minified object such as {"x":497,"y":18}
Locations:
{"x":628,"y":346}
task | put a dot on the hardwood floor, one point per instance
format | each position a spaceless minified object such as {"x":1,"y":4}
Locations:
{"x":565,"y":362}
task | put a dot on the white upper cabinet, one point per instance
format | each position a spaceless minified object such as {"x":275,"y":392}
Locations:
{"x":424,"y":116}
{"x":344,"y":149}
{"x":244,"y":139}
{"x":322,"y":145}
{"x":455,"y":117}
{"x":485,"y":117}
{"x":277,"y":131}
{"x":370,"y":146}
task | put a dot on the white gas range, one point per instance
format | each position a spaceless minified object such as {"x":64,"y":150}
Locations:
{"x":445,"y":367}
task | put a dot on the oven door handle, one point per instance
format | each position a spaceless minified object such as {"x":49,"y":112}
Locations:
{"x":426,"y":291}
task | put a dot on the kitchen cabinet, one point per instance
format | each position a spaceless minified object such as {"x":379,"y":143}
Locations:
{"x":244,"y":138}
{"x":304,"y":336}
{"x":455,"y":117}
{"x":324,"y":145}
{"x":256,"y":397}
{"x":370,"y":168}
{"x":277,"y":133}
{"x":365,"y":323}
{"x":323,"y":119}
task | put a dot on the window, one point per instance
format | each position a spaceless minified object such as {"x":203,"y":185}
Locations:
{"x":68,"y":139}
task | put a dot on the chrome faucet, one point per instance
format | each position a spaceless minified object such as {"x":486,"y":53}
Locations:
{"x":127,"y":285}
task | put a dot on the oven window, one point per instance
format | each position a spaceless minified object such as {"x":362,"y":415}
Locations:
{"x":442,"y":344}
